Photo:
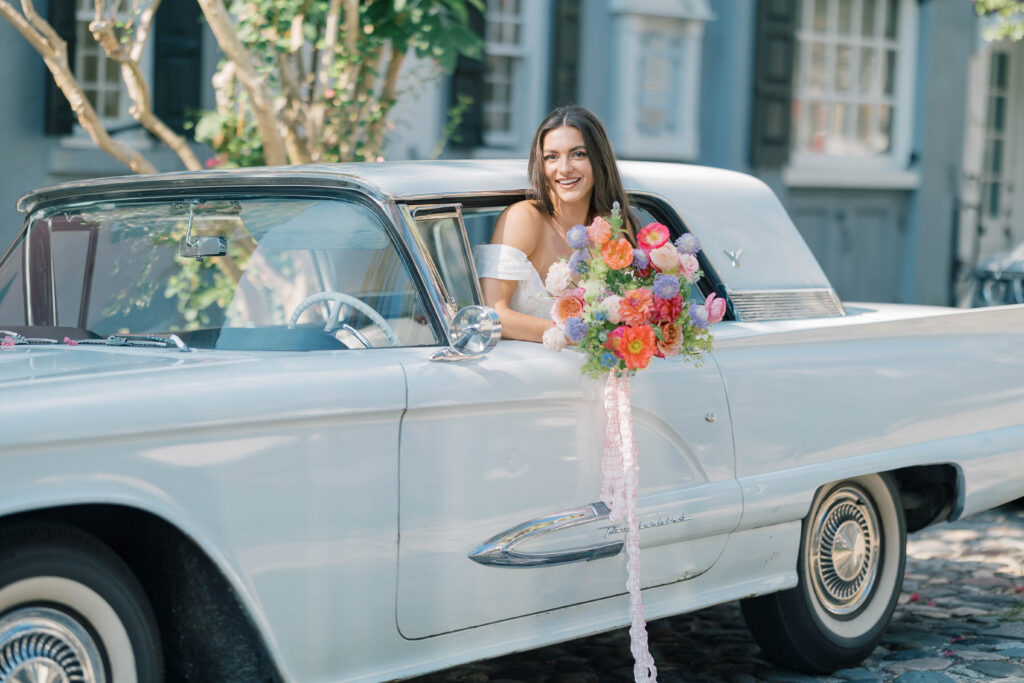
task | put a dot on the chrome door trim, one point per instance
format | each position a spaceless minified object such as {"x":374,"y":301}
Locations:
{"x":500,"y":551}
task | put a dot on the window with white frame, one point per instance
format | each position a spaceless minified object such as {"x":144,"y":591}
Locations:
{"x":99,"y":76}
{"x":658,"y":69}
{"x":994,"y":159}
{"x":506,"y":53}
{"x":851,"y":80}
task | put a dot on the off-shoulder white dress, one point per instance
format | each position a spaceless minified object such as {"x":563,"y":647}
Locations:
{"x":502,"y":262}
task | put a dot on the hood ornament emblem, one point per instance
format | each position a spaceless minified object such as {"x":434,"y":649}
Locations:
{"x":734,"y":256}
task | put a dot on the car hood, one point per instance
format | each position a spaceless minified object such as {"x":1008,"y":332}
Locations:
{"x":34,"y":364}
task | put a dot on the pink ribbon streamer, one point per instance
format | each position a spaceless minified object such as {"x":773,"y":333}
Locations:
{"x":619,"y":484}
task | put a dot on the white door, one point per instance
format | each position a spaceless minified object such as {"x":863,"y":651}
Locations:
{"x":500,"y":459}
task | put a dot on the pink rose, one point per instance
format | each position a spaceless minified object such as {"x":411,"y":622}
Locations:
{"x":689,"y":265}
{"x":715,"y":307}
{"x":600,"y":231}
{"x":665,"y":258}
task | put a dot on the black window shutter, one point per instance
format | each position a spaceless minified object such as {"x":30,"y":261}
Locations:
{"x":468,"y":80}
{"x":177,"y":42}
{"x":59,"y":117}
{"x":565,"y":53}
{"x":773,"y":82}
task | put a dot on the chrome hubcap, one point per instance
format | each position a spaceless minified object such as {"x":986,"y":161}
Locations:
{"x":843,"y":550}
{"x":43,"y":645}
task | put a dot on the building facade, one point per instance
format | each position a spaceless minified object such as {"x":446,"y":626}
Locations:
{"x":890,"y":130}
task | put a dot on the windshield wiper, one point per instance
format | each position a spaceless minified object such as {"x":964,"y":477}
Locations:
{"x":143,"y":340}
{"x":21,"y":339}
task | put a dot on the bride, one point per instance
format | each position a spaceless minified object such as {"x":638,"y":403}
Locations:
{"x":574,"y":179}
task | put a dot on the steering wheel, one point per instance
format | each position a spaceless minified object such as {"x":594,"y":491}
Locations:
{"x":341,"y":299}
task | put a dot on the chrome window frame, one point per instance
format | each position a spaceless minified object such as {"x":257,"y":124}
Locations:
{"x":412,"y":214}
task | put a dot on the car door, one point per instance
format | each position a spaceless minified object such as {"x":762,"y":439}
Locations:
{"x":499,"y":477}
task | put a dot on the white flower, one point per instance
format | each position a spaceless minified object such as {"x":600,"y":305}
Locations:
{"x":555,"y":339}
{"x":610,"y":305}
{"x":559,"y":278}
{"x":665,"y":258}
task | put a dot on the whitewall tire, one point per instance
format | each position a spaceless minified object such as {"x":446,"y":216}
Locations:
{"x":852,"y":554}
{"x":70,"y":610}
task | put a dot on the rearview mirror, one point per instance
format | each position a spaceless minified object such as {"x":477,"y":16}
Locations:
{"x":474,"y":331}
{"x":199,"y":247}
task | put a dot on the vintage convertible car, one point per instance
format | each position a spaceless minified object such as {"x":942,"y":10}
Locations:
{"x":256,"y":427}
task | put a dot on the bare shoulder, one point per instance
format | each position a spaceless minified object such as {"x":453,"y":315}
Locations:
{"x":519,"y":226}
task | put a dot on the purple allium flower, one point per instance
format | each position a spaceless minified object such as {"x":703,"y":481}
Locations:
{"x":579,"y":262}
{"x":577,"y":237}
{"x":699,"y":316}
{"x":609,"y":359}
{"x":575,"y":329}
{"x":640,"y":259}
{"x":688,"y":243}
{"x":665,"y":286}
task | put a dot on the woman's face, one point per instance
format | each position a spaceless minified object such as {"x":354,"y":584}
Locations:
{"x":567,"y":165}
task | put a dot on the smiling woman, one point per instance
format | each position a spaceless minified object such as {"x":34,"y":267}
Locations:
{"x":574,"y":178}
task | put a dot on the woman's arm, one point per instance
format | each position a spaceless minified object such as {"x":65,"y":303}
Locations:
{"x":514,"y":325}
{"x":518,"y":226}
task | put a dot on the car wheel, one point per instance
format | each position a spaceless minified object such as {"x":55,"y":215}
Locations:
{"x":71,"y":610}
{"x":852,"y":554}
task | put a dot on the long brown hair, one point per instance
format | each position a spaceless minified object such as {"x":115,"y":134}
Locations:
{"x":607,"y":183}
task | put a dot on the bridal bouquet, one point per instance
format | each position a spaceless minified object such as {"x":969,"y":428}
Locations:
{"x":623,"y":305}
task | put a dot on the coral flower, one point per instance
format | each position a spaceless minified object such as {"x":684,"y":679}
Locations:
{"x":652,"y":236}
{"x":636,"y":306}
{"x":635,"y":345}
{"x":667,"y":310}
{"x":670,"y":342}
{"x":569,"y":305}
{"x":599,"y":231}
{"x":617,"y":253}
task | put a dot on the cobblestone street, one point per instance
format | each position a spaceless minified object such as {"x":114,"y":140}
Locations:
{"x":960,"y":618}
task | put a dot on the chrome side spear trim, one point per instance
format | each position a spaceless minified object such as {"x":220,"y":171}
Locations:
{"x":499,"y":551}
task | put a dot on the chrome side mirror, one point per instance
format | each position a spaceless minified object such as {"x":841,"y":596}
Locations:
{"x":474,"y":331}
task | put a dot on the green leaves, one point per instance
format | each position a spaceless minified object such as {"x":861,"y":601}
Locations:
{"x":1010,"y":18}
{"x":332,"y":94}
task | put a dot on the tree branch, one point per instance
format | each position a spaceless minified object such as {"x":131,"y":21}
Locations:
{"x":141,"y":109}
{"x":376,"y":130}
{"x":52,"y":48}
{"x":291,"y":111}
{"x":274,"y":151}
{"x":318,"y":108}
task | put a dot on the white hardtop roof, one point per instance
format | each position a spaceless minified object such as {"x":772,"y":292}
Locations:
{"x":394,"y":179}
{"x":747,"y":234}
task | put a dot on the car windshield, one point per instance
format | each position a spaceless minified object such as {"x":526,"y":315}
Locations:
{"x":262,"y":273}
